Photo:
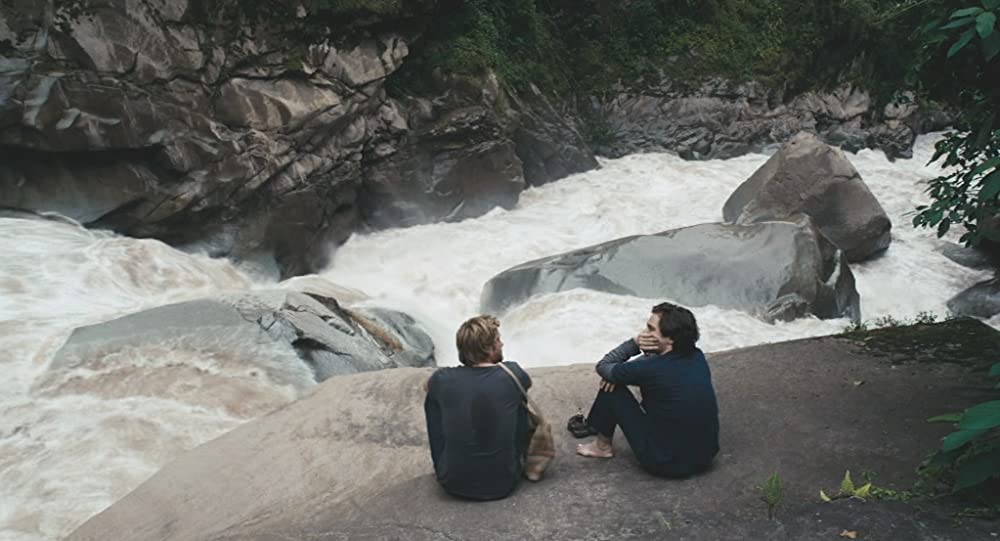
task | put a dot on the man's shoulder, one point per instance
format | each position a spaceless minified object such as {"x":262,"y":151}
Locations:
{"x":521,"y":374}
{"x":442,"y":375}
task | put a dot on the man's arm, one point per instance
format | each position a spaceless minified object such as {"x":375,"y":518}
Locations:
{"x":435,"y":429}
{"x":617,"y":356}
{"x":521,"y":374}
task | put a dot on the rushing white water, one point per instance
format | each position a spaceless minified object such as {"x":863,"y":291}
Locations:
{"x":73,"y":442}
{"x":437,"y":271}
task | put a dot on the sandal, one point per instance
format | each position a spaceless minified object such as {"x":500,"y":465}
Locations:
{"x":577,"y":425}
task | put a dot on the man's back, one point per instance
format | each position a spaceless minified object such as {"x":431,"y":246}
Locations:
{"x":477,"y":429}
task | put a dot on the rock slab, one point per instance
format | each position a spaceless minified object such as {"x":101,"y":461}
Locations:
{"x":774,"y":270}
{"x":351,"y":461}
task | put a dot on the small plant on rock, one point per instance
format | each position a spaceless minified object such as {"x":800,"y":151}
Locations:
{"x":848,"y":490}
{"x":771,"y":493}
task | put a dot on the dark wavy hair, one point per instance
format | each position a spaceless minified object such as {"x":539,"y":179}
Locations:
{"x":678,"y":324}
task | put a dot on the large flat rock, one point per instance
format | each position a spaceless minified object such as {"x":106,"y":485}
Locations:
{"x":777,"y":270}
{"x":351,"y":461}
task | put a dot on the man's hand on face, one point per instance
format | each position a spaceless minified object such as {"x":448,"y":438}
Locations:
{"x":647,"y":343}
{"x":607,"y":385}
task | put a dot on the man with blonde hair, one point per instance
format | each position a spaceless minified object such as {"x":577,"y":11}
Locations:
{"x":476,"y":423}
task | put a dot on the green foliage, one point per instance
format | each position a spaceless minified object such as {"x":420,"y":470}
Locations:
{"x":970,"y":456}
{"x":849,"y":490}
{"x":961,"y":65}
{"x":889,"y":322}
{"x":514,"y":38}
{"x":771,"y":493}
{"x":587,"y":46}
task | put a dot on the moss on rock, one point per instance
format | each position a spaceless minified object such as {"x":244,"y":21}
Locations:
{"x":964,"y":341}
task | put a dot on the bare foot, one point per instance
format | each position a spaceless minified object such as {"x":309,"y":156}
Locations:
{"x":595,"y":449}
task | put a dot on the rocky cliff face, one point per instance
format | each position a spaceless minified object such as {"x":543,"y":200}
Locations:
{"x":721,"y":119}
{"x":163,"y":118}
{"x":179,"y":120}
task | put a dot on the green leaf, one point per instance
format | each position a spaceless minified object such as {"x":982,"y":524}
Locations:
{"x":959,"y":438}
{"x":864,"y":491}
{"x":985,"y":23}
{"x":963,"y":40}
{"x":965,"y":21}
{"x":978,"y":469}
{"x":991,"y":45}
{"x":847,"y":486}
{"x":966,"y":12}
{"x":943,"y":228}
{"x":982,"y":416}
{"x":991,"y":4}
{"x":824,"y":497}
{"x":987,"y":165}
{"x":946,"y":418}
{"x":991,"y":187}
{"x":995,"y":369}
{"x":944,"y":458}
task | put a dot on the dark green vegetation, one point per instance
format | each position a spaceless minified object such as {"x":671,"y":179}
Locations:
{"x":961,"y":62}
{"x":969,"y":458}
{"x":964,"y":341}
{"x":971,"y":454}
{"x":586,"y":46}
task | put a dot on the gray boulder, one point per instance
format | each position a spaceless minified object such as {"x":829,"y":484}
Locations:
{"x":296,"y":338}
{"x":981,"y":300}
{"x":810,"y":177}
{"x":774,"y":270}
{"x":978,"y":258}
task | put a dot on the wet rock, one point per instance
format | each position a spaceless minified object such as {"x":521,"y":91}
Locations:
{"x":548,"y":143}
{"x":973,"y":258}
{"x":810,"y":177}
{"x":167,"y":119}
{"x":981,"y":300}
{"x":471,"y":148}
{"x":721,"y":119}
{"x":324,"y":338}
{"x":458,"y":167}
{"x":774,"y":270}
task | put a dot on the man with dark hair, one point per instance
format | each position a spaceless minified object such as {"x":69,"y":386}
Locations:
{"x":675,"y":431}
{"x":476,"y":423}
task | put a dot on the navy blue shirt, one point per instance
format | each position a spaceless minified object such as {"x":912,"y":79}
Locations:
{"x":677,"y":395}
{"x":477,"y":429}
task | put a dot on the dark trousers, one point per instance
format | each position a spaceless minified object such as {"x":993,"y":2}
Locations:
{"x":620,"y":408}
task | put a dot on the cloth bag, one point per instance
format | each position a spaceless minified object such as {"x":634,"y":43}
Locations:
{"x":541,"y":446}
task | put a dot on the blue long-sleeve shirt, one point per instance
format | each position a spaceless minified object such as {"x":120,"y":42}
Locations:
{"x":678,"y":395}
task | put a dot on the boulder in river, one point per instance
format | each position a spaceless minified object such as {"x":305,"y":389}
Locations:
{"x":810,"y":177}
{"x":981,"y":300}
{"x":270,"y":329}
{"x":774,"y":270}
